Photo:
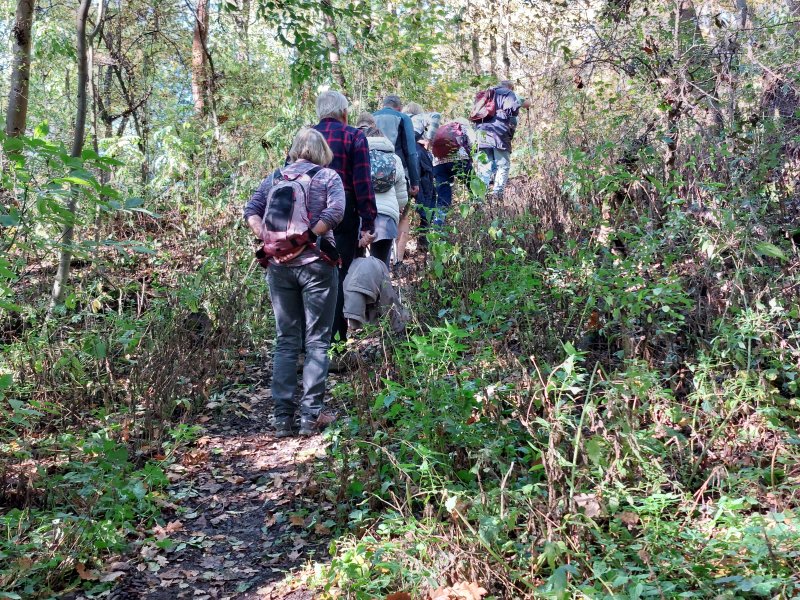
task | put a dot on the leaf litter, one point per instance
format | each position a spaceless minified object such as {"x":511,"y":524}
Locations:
{"x":239,"y":512}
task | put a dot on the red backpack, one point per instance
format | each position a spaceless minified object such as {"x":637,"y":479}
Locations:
{"x":484,"y":107}
{"x":448,"y":139}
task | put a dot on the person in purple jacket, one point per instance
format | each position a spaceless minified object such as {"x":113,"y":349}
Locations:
{"x":494,"y":137}
{"x":303,"y":286}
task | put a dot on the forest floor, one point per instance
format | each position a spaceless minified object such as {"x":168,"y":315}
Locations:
{"x":235,"y":514}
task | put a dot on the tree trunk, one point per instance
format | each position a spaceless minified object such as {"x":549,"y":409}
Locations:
{"x":493,"y":49}
{"x":794,"y":16}
{"x":504,"y":45}
{"x":17,"y":114}
{"x":741,"y":6}
{"x":334,"y":53}
{"x":476,"y":51}
{"x":77,"y":147}
{"x":199,"y":60}
{"x":242,"y":19}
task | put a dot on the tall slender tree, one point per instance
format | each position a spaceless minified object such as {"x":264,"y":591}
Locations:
{"x":17,"y":113}
{"x":59,"y":284}
{"x":334,"y":52}
{"x":199,"y":58}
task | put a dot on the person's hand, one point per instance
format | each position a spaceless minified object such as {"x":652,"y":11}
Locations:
{"x":366,"y":239}
{"x":256,"y":226}
{"x":414,"y":190}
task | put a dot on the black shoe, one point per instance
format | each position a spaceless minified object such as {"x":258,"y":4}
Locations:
{"x":309,"y":427}
{"x":283,"y":428}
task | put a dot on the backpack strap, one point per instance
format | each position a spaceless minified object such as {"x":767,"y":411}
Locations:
{"x":312,"y":172}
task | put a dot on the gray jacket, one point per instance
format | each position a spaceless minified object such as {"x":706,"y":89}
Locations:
{"x":426,"y":124}
{"x":368,"y":294}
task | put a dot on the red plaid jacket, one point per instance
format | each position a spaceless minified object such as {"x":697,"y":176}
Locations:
{"x":351,"y":162}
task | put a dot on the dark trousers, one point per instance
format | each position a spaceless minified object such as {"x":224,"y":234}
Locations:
{"x":382,"y":250}
{"x":302,"y":301}
{"x":445,"y":175}
{"x":346,"y":236}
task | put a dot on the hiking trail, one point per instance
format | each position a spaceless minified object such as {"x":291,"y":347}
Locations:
{"x":235,"y":512}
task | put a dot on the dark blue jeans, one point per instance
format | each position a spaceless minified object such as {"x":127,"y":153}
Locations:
{"x":301,"y":296}
{"x":346,"y":236}
{"x":445,"y":175}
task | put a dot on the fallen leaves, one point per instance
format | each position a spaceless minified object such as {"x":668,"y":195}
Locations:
{"x":463,"y":590}
{"x":244,"y":500}
{"x":297,"y":521}
{"x":85,"y":573}
{"x":111,"y":576}
{"x":590,"y":504}
{"x":322,"y":529}
{"x":630,"y":519}
{"x":195,"y":457}
{"x":162,"y":533}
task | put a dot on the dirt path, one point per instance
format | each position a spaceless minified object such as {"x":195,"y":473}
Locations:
{"x":239,"y":516}
{"x":243,"y":511}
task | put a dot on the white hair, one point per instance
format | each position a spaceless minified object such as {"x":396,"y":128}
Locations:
{"x":412,"y":109}
{"x":331,"y":104}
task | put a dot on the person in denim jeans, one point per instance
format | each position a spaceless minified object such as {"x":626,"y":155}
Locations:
{"x":303,"y":289}
{"x":494,"y":138}
{"x":449,"y":169}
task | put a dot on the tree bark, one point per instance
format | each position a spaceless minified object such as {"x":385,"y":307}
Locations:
{"x":17,"y":113}
{"x":199,"y":59}
{"x":794,"y":15}
{"x":78,"y":139}
{"x":334,"y":53}
{"x":476,"y":51}
{"x":504,"y":45}
{"x":242,"y":19}
{"x":741,"y":6}
{"x":493,"y":49}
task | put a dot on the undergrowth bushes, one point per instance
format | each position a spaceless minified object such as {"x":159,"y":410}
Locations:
{"x":96,"y":394}
{"x":580,"y":416}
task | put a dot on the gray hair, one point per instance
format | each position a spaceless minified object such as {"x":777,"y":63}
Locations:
{"x":506,"y":83}
{"x":393,"y":101}
{"x":309,"y":144}
{"x":331,"y":104}
{"x":412,"y":108}
{"x":366,"y":123}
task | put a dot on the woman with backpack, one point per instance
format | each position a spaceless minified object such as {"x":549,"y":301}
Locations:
{"x":451,"y":148}
{"x":389,"y":183}
{"x":293,"y":212}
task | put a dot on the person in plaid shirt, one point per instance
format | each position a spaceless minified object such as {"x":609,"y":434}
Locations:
{"x":351,"y":161}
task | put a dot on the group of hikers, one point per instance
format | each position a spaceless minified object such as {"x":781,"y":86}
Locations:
{"x":347,"y":190}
